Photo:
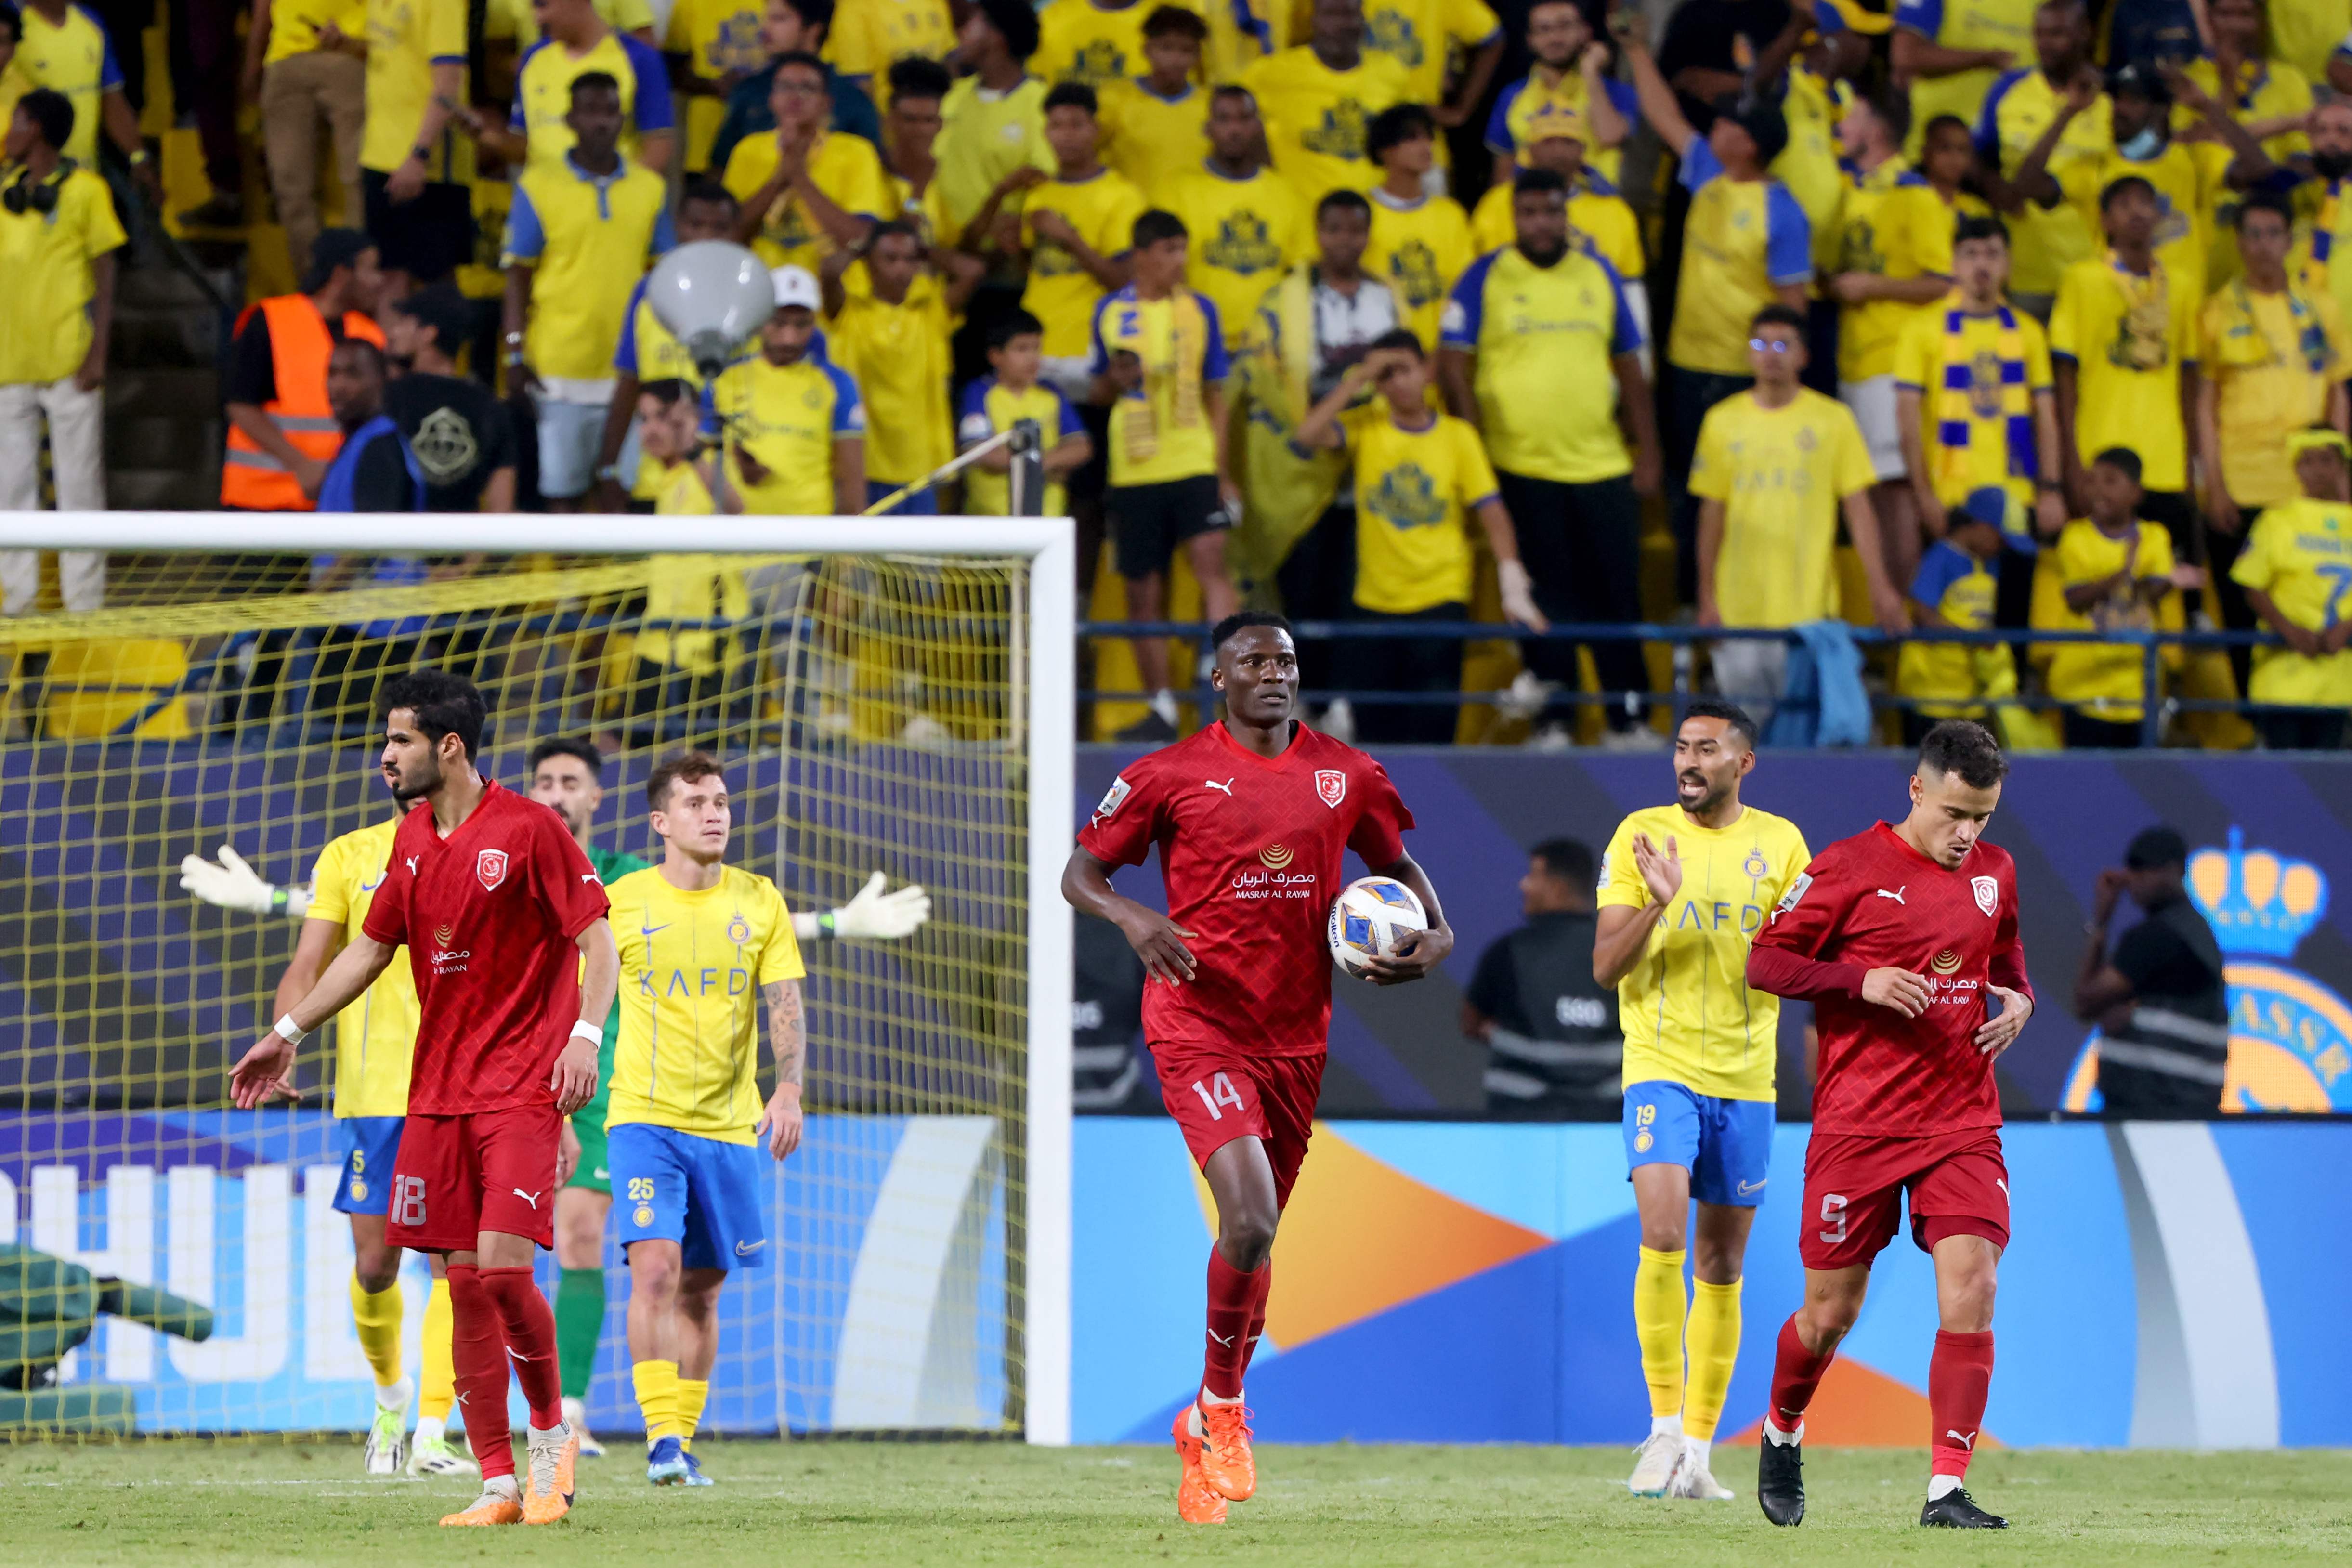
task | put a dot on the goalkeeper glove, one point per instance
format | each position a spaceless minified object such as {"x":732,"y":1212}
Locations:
{"x":877,"y":915}
{"x":234,"y":885}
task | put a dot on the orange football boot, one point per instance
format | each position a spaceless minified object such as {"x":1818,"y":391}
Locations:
{"x":548,"y":1497}
{"x":490,"y":1508}
{"x":1227,"y":1463}
{"x":1197,"y":1503}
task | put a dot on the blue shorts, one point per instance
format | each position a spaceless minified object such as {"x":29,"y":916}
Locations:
{"x":702,"y":1193}
{"x":1726,"y":1144}
{"x":368,"y":1144}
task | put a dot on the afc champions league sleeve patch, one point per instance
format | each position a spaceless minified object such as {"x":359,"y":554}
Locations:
{"x":1112,"y":798}
{"x":1988,"y":892}
{"x":1331,"y":786}
{"x":490,"y":867}
{"x":1796,"y":891}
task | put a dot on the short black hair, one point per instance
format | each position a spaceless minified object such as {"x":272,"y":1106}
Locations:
{"x":702,"y":188}
{"x":365,"y":350}
{"x":1155,"y":226}
{"x":1778,"y":315}
{"x":2122,"y":458}
{"x":1015,"y":322}
{"x":1240,"y":621}
{"x":807,"y":58}
{"x":1533,"y":179}
{"x":1892,"y":104}
{"x":1225,"y":89}
{"x":12,"y":22}
{"x":897,"y":225}
{"x":1741,"y":721}
{"x":1165,"y":20}
{"x":1569,"y":860}
{"x":1983,"y":228}
{"x":669,"y":391}
{"x":444,"y":704}
{"x":53,"y":112}
{"x":1967,"y":748}
{"x":589,"y":81}
{"x":812,"y":13}
{"x":1015,"y":22}
{"x":915,"y":76}
{"x":2116,"y":188}
{"x":1396,"y":124}
{"x":1343,"y":200}
{"x":1073,"y":95}
{"x":1399,"y":338}
{"x":2264,"y":202}
{"x":1940,"y":120}
{"x":579,"y":746}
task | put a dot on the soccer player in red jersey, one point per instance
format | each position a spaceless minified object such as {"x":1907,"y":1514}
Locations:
{"x":1251,"y":816}
{"x":515,"y":964}
{"x":1904,"y":938}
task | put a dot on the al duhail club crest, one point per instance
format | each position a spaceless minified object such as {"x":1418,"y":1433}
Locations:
{"x":2290,"y":1036}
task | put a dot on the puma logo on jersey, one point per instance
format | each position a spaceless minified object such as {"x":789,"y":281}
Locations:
{"x":2003,"y":1187}
{"x":1897,"y":895}
{"x":412,"y":864}
{"x":1227,"y":787}
{"x":590,"y":877}
{"x":1967,"y":1442}
{"x":531,"y":1198}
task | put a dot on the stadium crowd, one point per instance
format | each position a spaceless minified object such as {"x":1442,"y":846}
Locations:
{"x":1997,"y":316}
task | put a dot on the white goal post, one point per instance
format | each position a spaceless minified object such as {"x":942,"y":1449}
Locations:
{"x":1046,"y":643}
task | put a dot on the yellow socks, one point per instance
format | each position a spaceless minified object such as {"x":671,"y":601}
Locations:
{"x":658,"y":1395}
{"x":691,"y":1394}
{"x":437,"y":1391}
{"x":376,"y":1316}
{"x":1713,"y":1337}
{"x":1658,"y":1306}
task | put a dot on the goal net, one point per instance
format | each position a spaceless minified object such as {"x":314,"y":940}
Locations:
{"x":886,"y":695}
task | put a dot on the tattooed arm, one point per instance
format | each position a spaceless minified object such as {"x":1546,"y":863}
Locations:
{"x":788,"y":1043}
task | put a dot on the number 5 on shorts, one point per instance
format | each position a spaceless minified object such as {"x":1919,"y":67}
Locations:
{"x":1216,"y":1092}
{"x":1833,"y":1215}
{"x":408,"y":1200}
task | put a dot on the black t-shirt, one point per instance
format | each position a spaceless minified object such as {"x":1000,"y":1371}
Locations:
{"x":253,"y":368}
{"x":380,"y":482}
{"x":460,"y":433}
{"x":1706,"y":34}
{"x":2171,"y":957}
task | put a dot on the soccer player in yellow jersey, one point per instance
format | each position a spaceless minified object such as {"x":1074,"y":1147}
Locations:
{"x":1684,"y":889}
{"x":705,"y":947}
{"x":1421,"y":242}
{"x":806,"y":191}
{"x":793,"y":425}
{"x":1155,"y":124}
{"x":375,"y":1037}
{"x":1246,"y":223}
{"x":1776,"y":465}
{"x":891,"y":336}
{"x":2296,"y":570}
{"x":1317,"y":99}
{"x":1009,"y":393}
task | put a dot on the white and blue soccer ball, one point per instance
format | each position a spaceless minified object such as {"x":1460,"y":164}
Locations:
{"x":1369,"y":918}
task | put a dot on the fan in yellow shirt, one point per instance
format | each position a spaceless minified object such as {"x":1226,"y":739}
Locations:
{"x":1955,"y":587}
{"x":1090,"y":42}
{"x":1567,"y":92}
{"x":1684,"y":890}
{"x":1155,"y":125}
{"x":2191,"y":179}
{"x":1246,"y":222}
{"x":580,"y":41}
{"x":1428,"y":37}
{"x":1952,"y":53}
{"x":794,"y":425}
{"x":868,"y":36}
{"x":1011,"y":393}
{"x":1075,"y":230}
{"x":892,"y":336}
{"x":1421,"y":243}
{"x":992,"y":121}
{"x":2111,"y":571}
{"x":2120,"y":336}
{"x":2296,"y":570}
{"x":705,"y":947}
{"x":806,"y":191}
{"x":1602,"y":219}
{"x":1317,"y":99}
{"x":715,"y":44}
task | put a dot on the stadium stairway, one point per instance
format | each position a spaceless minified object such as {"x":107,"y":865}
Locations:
{"x":163,"y":420}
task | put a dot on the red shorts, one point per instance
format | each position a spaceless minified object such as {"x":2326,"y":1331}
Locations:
{"x":458,"y":1176}
{"x":1217,"y":1096}
{"x":1854,"y":1186}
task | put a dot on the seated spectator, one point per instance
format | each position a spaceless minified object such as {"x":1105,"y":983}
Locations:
{"x":1542,"y":354}
{"x":306,"y":66}
{"x":1568,"y":91}
{"x":868,"y":36}
{"x":2162,"y":1003}
{"x":61,"y":46}
{"x":910,"y":133}
{"x":806,"y":191}
{"x":1776,"y":466}
{"x":712,"y":47}
{"x":792,"y":27}
{"x":1555,"y":1052}
{"x":577,"y":241}
{"x":1009,"y":393}
{"x":648,"y":352}
{"x":1956,"y":587}
{"x":2111,"y":571}
{"x":1155,"y":123}
{"x":1316,"y":99}
{"x":891,"y":336}
{"x":579,"y":42}
{"x":993,"y":124}
{"x":1420,"y":475}
{"x":1249,"y":224}
{"x":457,"y":428}
{"x":1421,"y":242}
{"x":58,"y":240}
{"x":413,"y":169}
{"x":282,"y":433}
{"x":2297,"y":561}
{"x":794,"y":425}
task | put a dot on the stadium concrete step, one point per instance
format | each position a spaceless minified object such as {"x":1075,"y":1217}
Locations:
{"x":163,"y":420}
{"x":164,"y":489}
{"x":162,"y":440}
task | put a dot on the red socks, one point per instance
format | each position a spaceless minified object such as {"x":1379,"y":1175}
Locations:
{"x":529,"y":1324}
{"x":1959,"y":1375}
{"x":1796,"y":1372}
{"x":1264,"y":1280}
{"x":1235,"y":1300}
{"x":477,"y":1356}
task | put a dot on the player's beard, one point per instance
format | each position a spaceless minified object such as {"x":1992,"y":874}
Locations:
{"x":406,"y":789}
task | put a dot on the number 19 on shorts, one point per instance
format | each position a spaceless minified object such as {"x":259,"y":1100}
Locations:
{"x":1216,"y":1092}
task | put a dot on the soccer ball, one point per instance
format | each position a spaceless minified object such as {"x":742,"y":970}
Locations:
{"x":1368,"y":919}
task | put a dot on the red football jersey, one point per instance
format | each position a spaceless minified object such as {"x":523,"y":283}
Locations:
{"x":490,"y":916}
{"x":1250,"y":847}
{"x":1872,"y":901}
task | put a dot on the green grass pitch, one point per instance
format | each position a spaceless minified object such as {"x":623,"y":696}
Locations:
{"x":187,"y":1503}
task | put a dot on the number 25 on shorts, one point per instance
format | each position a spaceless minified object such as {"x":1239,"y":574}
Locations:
{"x":1216,"y":1092}
{"x":641,"y":1189}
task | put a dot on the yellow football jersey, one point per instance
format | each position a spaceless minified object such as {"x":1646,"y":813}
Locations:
{"x":1315,"y":117}
{"x":1781,"y":474}
{"x":1688,"y":1015}
{"x":2107,"y":681}
{"x":2301,"y":555}
{"x":375,"y":1037}
{"x":2128,"y":337}
{"x":1078,"y":40}
{"x":1243,"y":234}
{"x":845,"y":167}
{"x":1155,"y":142}
{"x":1598,"y":218}
{"x":1060,"y":293}
{"x":1420,"y":251}
{"x":692,"y":966}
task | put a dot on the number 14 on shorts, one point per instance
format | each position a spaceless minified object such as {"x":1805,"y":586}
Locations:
{"x":1215,"y":1091}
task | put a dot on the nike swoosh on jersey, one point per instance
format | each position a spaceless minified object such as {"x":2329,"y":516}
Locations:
{"x":648,"y":931}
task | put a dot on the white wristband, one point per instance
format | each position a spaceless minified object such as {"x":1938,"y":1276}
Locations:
{"x":592,"y":1033}
{"x":289,"y":1031}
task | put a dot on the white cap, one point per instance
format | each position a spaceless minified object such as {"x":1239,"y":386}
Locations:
{"x":794,"y":286}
